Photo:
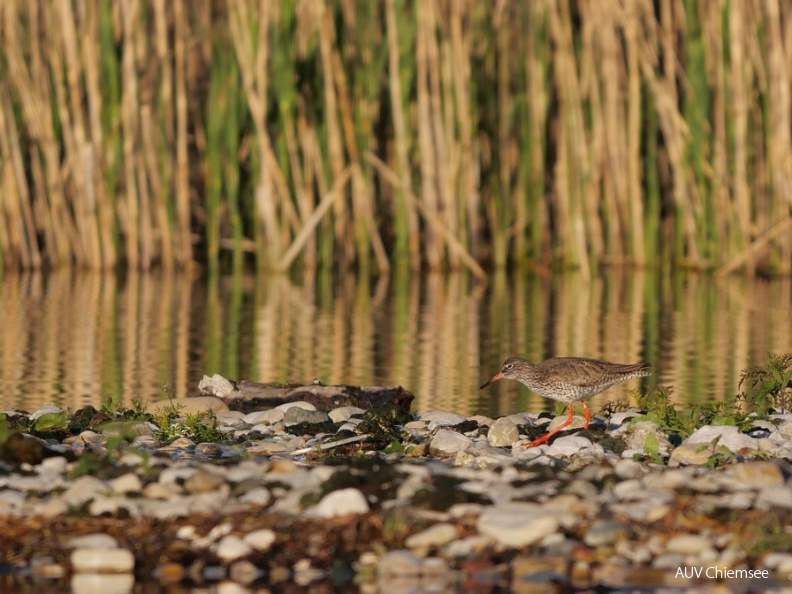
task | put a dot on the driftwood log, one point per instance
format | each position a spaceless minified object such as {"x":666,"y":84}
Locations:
{"x":248,"y":396}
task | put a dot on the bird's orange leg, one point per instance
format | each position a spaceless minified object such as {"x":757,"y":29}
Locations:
{"x":547,"y":436}
{"x":588,"y":414}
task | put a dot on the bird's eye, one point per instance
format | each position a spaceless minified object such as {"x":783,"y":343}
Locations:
{"x":508,"y":366}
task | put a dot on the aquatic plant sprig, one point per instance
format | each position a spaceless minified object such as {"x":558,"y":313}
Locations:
{"x":767,"y":387}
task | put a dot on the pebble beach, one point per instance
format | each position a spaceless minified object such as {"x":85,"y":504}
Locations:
{"x":454,"y":503}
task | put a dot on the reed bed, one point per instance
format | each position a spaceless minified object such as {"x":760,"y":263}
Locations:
{"x":446,"y":134}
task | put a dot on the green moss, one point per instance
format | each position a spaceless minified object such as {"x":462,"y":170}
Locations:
{"x":532,"y":431}
{"x":313,"y":428}
{"x":383,"y":424}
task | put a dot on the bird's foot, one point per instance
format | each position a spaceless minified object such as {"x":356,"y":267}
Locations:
{"x":537,"y":442}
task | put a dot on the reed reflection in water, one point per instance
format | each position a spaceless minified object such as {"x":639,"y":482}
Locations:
{"x":73,"y":339}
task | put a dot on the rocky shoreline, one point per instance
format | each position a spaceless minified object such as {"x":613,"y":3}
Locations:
{"x":434,"y":499}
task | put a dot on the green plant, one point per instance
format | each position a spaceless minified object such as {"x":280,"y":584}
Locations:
{"x":767,"y":387}
{"x":88,"y":464}
{"x":118,"y":411}
{"x":681,"y":423}
{"x":200,"y":427}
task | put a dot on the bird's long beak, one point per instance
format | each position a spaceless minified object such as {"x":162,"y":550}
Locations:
{"x":494,"y":378}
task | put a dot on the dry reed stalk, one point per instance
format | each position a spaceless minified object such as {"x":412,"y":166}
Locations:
{"x":538,"y":101}
{"x":756,"y":247}
{"x":443,"y":124}
{"x":599,"y":63}
{"x":468,"y":185}
{"x":739,"y":88}
{"x":572,"y":164}
{"x":501,"y":30}
{"x":20,"y":242}
{"x":129,"y":213}
{"x":428,"y":156}
{"x":313,"y":220}
{"x":302,"y":194}
{"x":434,"y":222}
{"x":406,"y":219}
{"x":335,"y":149}
{"x":162,"y":188}
{"x":253,"y":56}
{"x":184,"y":251}
{"x":160,"y":221}
{"x":675,"y":130}
{"x":780,"y":135}
{"x":104,"y":216}
{"x":635,"y":198}
{"x":305,"y":134}
{"x":365,"y":228}
{"x":614,"y":193}
{"x":719,"y":198}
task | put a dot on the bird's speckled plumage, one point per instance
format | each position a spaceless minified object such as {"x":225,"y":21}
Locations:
{"x":569,"y":379}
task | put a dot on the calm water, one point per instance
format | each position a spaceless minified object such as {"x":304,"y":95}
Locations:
{"x":73,"y":339}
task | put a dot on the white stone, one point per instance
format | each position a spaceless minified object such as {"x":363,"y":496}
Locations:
{"x":482,"y":420}
{"x":264,"y":417}
{"x":618,"y":419}
{"x":785,"y":430}
{"x":635,"y":437}
{"x":442,"y":419}
{"x":447,"y":443}
{"x":176,"y":474}
{"x":569,"y":445}
{"x":91,"y":437}
{"x":399,"y":564}
{"x":92,"y":541}
{"x":578,"y":422}
{"x":84,"y":489}
{"x":184,"y":443}
{"x":231,"y":418}
{"x":127,"y":483}
{"x":217,"y":385}
{"x":342,"y":413}
{"x":102,"y":583}
{"x":261,"y":540}
{"x":339,"y":503}
{"x":47,"y":409}
{"x":518,"y":524}
{"x":468,"y":547}
{"x":502,"y":433}
{"x":728,"y":435}
{"x":780,"y":562}
{"x":259,"y":496}
{"x":437,"y":535}
{"x":689,"y":453}
{"x":689,"y":545}
{"x":625,"y":469}
{"x":231,"y":548}
{"x":102,"y":560}
{"x":299,"y":403}
{"x":775,"y":496}
{"x":56,"y":464}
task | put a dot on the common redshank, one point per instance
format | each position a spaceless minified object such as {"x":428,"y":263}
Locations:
{"x":567,"y":379}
